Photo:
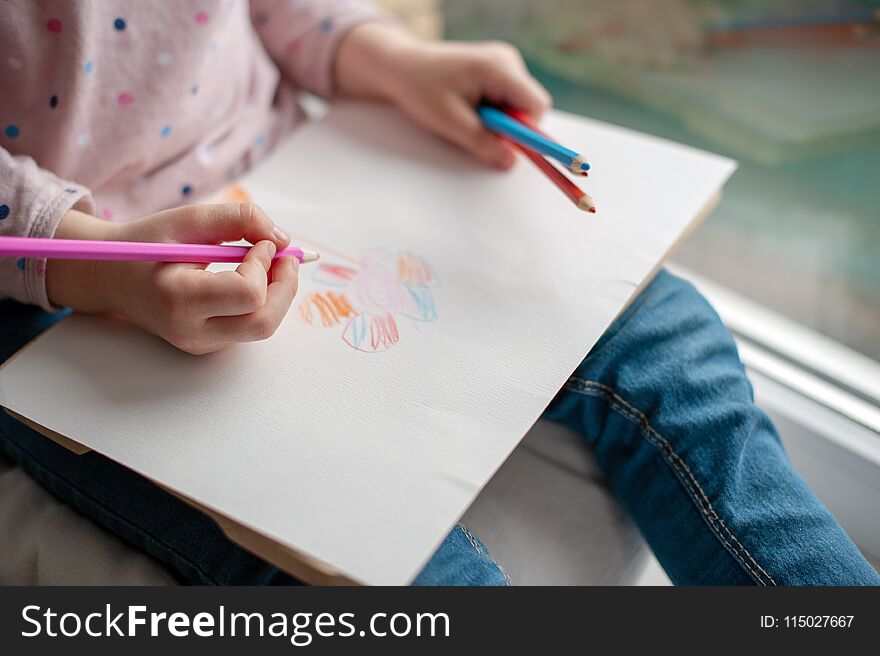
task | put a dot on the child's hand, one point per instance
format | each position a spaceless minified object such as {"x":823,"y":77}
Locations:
{"x":193,"y":309}
{"x":439,"y":84}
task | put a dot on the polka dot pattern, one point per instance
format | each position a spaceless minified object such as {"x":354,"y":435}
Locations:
{"x":187,"y":60}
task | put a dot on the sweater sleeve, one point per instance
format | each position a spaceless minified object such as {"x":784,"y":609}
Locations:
{"x":32,"y":202}
{"x":302,"y":36}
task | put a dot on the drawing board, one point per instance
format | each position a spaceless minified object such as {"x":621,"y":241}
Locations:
{"x":450,"y":305}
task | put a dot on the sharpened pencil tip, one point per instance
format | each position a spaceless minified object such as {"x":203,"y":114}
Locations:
{"x":586,"y":203}
{"x":310,"y":256}
{"x":578,"y":165}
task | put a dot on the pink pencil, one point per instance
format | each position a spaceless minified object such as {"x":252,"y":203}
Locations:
{"x":84,"y":249}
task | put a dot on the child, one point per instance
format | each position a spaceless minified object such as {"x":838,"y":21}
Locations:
{"x":113,"y":110}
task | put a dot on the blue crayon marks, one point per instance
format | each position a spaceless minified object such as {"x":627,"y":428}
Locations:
{"x":423,"y":308}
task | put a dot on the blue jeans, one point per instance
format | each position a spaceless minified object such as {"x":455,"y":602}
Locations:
{"x":662,"y":400}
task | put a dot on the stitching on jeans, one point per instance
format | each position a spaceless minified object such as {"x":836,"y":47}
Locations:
{"x":470,"y":538}
{"x":149,"y":534}
{"x":681,"y":468}
{"x":594,"y":388}
{"x":476,"y":545}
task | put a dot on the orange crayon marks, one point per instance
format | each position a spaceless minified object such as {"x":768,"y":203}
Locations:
{"x":413,"y":270}
{"x":236,"y":194}
{"x":327,"y":308}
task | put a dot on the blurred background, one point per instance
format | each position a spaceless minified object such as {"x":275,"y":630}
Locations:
{"x":790,"y":89}
{"x":790,"y":257}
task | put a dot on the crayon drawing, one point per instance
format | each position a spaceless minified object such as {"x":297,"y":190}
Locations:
{"x":366,"y":297}
{"x":369,"y":299}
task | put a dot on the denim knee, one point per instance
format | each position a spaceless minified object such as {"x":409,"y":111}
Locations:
{"x":462,"y":560}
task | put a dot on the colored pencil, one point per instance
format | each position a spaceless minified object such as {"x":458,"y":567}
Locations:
{"x":85,"y":249}
{"x":577,"y":195}
{"x":499,"y":122}
{"x":529,"y":121}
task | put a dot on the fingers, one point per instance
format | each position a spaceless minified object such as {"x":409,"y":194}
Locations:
{"x":262,"y":323}
{"x":495,"y":73}
{"x":254,"y":269}
{"x":211,"y":224}
{"x":460,"y":124}
{"x":508,"y":82}
{"x":230,"y":293}
{"x":523,"y":92}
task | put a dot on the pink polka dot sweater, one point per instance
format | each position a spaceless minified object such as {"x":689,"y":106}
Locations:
{"x":121,"y":108}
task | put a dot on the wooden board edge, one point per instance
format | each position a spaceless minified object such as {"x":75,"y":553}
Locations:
{"x":691,"y":227}
{"x":71,"y":445}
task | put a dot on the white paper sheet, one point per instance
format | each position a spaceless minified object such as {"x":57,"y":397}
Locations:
{"x":364,"y":459}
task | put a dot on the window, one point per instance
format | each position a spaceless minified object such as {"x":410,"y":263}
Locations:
{"x":791,"y":90}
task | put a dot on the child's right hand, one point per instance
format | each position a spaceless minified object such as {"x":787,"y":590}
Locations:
{"x":193,"y":309}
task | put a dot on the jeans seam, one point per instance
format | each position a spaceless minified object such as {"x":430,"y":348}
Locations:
{"x":683,"y":472}
{"x":476,"y":545}
{"x":33,"y":461}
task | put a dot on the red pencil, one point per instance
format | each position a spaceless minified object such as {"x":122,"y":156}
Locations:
{"x":530,"y":122}
{"x":578,"y":196}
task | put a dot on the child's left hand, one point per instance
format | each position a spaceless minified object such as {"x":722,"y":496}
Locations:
{"x":439,"y":84}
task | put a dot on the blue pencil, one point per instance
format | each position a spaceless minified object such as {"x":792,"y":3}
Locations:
{"x":497,"y":121}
